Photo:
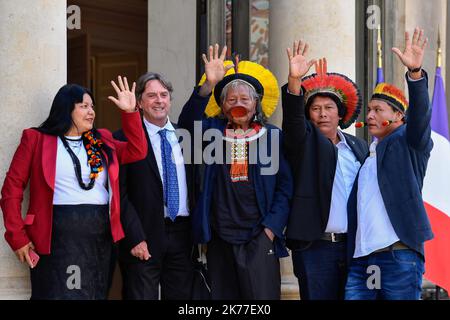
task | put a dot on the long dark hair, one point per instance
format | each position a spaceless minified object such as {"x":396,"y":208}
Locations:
{"x":60,"y":120}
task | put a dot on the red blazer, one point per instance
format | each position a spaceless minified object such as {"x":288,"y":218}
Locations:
{"x":35,"y":161}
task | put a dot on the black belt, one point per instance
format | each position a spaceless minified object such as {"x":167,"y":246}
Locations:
{"x":334,"y":237}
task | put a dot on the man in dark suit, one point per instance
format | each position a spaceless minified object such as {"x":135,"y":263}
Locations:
{"x":157,"y":196}
{"x":388,"y":224}
{"x":325,"y":162}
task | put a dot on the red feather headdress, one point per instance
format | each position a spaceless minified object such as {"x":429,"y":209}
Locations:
{"x":337,"y":85}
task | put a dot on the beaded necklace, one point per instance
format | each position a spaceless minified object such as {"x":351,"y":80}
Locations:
{"x":93,"y":148}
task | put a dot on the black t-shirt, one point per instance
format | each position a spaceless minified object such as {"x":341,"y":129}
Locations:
{"x":235,"y":213}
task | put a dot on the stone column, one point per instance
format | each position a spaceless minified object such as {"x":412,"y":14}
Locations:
{"x":431,"y":16}
{"x":33,"y":64}
{"x":393,"y":35}
{"x":329,"y":27}
{"x":172,"y":46}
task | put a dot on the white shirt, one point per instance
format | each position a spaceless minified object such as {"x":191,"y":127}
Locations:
{"x":67,"y":189}
{"x":375,"y":230}
{"x":155,"y":140}
{"x":346,"y":170}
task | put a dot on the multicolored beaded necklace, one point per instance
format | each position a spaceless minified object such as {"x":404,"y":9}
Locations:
{"x":93,"y":148}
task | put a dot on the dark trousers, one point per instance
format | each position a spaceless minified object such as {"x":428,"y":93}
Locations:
{"x":173,"y":271}
{"x":248,"y":271}
{"x":321,"y":269}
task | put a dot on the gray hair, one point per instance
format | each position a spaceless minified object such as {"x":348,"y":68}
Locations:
{"x":149,"y":76}
{"x":259,"y":115}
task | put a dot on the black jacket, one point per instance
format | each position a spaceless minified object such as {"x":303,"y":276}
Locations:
{"x":313,"y":158}
{"x":142,"y":202}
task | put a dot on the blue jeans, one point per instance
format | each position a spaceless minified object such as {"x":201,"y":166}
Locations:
{"x":321,"y":269}
{"x":400,"y":276}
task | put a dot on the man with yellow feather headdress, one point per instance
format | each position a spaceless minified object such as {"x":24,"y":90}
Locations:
{"x":243,"y":205}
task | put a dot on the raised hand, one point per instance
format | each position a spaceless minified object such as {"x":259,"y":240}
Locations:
{"x":298,"y":64}
{"x":214,"y":69}
{"x":126,"y":100}
{"x":412,"y":55}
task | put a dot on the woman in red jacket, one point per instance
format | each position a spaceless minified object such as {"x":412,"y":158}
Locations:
{"x":74,"y":211}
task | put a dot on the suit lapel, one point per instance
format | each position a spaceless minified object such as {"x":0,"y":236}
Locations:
{"x":151,"y":159}
{"x":49,"y":149}
{"x":381,"y":149}
{"x":357,"y":151}
{"x":382,"y":146}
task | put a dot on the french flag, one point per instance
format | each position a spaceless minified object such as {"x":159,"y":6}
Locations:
{"x":436,"y":191}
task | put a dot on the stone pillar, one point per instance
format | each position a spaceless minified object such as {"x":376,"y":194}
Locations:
{"x":329,"y":27}
{"x":431,"y":16}
{"x":33,"y":64}
{"x":172,"y":45}
{"x":393,"y":35}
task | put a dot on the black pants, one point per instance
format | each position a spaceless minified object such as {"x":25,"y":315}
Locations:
{"x":321,"y":269}
{"x":78,"y":266}
{"x":248,"y":271}
{"x":173,"y":271}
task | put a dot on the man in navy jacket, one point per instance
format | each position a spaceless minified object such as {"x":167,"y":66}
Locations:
{"x":388,"y":224}
{"x":243,"y":206}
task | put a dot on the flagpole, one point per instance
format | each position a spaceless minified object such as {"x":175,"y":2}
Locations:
{"x":439,"y":51}
{"x":379,"y":49}
{"x":438,"y":65}
{"x":380,"y":75}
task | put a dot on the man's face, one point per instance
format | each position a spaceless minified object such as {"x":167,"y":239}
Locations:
{"x":324,"y":114}
{"x":239,"y":106}
{"x":155,"y":102}
{"x":378,"y":113}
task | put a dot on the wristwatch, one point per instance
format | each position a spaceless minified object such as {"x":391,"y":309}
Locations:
{"x":415,"y":70}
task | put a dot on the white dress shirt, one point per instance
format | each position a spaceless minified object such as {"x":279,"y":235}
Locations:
{"x":155,"y":140}
{"x":346,"y":170}
{"x":375,"y":230}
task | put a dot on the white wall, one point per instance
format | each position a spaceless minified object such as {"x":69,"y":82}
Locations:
{"x":172,"y":46}
{"x":33,"y":65}
{"x":327,"y":25}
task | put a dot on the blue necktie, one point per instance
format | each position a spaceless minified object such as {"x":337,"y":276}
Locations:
{"x":171,"y":198}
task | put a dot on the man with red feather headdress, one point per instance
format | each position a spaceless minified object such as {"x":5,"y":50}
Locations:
{"x":325,"y":162}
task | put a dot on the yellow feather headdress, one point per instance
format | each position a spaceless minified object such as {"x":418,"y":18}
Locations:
{"x":262,"y":79}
